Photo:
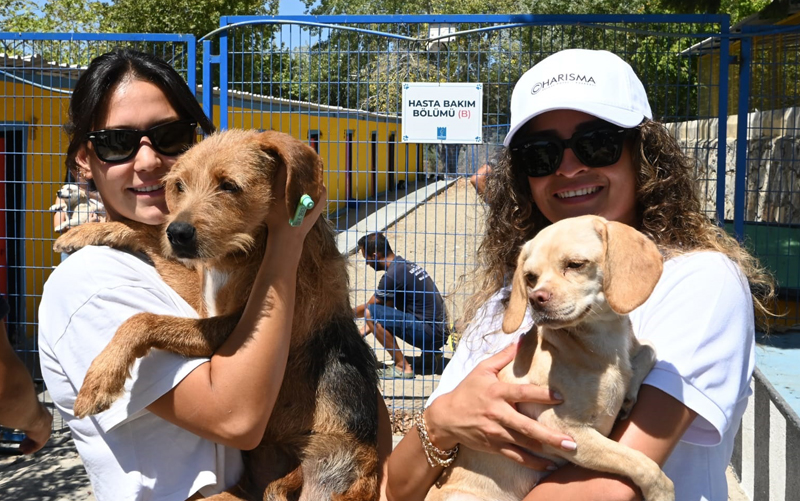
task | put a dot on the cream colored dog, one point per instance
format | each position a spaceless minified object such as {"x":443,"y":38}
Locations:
{"x":76,"y":208}
{"x":581,"y":277}
{"x":71,"y":195}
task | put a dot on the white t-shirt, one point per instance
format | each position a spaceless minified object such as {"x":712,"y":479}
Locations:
{"x":700,"y":320}
{"x":129,"y":453}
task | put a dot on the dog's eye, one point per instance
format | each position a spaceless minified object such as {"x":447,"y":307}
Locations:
{"x":531,"y":279}
{"x":228,"y":186}
{"x":179,"y":187}
{"x":576,"y":265}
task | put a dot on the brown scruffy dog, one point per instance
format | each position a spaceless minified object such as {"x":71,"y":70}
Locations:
{"x":321,"y":440}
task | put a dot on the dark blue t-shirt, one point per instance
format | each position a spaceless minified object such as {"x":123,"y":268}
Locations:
{"x":412,"y":290}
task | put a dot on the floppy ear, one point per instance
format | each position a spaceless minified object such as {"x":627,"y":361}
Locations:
{"x":518,"y":302}
{"x":303,"y":166}
{"x":632,"y":266}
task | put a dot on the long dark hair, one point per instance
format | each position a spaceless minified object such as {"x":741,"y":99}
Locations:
{"x":104,"y":73}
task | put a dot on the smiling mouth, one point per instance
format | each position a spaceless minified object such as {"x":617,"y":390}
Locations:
{"x":578,"y":193}
{"x":148,"y":189}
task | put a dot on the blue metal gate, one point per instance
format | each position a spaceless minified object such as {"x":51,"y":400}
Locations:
{"x":336,"y":82}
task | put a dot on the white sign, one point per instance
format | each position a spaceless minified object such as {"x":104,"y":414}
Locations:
{"x":442,"y":113}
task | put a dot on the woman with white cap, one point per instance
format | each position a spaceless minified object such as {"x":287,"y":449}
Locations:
{"x":582,"y":141}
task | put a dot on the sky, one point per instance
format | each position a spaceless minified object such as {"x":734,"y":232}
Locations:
{"x":291,"y":8}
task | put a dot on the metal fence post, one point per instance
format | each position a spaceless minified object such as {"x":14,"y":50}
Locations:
{"x":745,"y":59}
{"x":722,"y":133}
{"x":208,"y":87}
{"x":223,"y":75}
{"x":191,"y":63}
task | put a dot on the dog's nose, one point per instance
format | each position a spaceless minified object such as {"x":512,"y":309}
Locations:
{"x":182,"y":236}
{"x":541,"y":296}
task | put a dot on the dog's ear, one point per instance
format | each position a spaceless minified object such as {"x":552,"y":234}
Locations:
{"x":631,"y":268}
{"x":518,"y":302}
{"x":303,"y":166}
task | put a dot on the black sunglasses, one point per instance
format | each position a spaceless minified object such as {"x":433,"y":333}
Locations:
{"x":119,"y":145}
{"x":541,"y":154}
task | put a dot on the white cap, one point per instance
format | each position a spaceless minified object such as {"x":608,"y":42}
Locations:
{"x":596,"y":82}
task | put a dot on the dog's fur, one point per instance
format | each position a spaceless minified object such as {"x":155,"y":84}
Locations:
{"x":581,"y":277}
{"x":321,"y":440}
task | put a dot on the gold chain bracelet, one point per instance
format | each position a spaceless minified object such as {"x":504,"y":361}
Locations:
{"x":436,"y":456}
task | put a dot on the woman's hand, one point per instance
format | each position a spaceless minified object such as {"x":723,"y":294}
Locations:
{"x":481,"y":414}
{"x":285,"y":242}
{"x":38,"y":433}
{"x":278,"y":217}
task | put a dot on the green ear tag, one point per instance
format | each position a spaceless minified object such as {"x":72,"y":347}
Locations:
{"x":303,"y":205}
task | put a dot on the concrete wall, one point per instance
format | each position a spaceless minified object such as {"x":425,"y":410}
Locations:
{"x":773,"y":163}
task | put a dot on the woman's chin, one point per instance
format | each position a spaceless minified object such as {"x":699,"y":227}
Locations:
{"x":151,"y":215}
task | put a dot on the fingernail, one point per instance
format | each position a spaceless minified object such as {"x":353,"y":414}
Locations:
{"x":552,"y":467}
{"x":568,"y":445}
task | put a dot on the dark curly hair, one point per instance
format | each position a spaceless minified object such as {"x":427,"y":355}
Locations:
{"x":668,"y":211}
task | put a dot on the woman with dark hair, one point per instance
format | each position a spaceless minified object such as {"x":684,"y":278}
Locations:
{"x":582,"y":141}
{"x":177,"y":430}
{"x":107,"y":71}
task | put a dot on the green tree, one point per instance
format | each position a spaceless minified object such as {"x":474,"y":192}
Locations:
{"x":54,"y":16}
{"x":197,"y":17}
{"x":356,"y":7}
{"x":738,"y":9}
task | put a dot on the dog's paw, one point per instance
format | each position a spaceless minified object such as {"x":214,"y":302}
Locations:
{"x":661,"y":490}
{"x":91,"y":400}
{"x":77,"y":238}
{"x":103,"y":384}
{"x":67,"y":243}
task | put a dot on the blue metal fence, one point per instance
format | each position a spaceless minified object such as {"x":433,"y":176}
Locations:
{"x":37,"y":74}
{"x":767,"y":194}
{"x":335,"y":81}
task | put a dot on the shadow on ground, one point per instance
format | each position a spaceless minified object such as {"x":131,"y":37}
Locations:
{"x":53,"y":474}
